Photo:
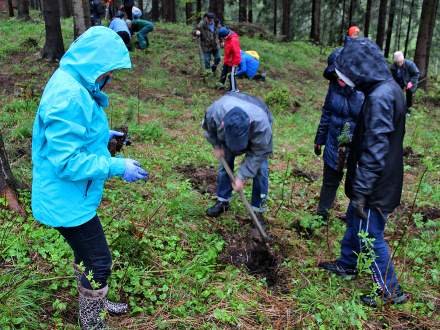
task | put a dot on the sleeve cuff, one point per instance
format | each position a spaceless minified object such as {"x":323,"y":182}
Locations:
{"x":117,"y":166}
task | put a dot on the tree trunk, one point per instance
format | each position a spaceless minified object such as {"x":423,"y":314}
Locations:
{"x":286,"y":31}
{"x":8,"y":183}
{"x":189,"y":12}
{"x":390,"y":27}
{"x":381,"y":22}
{"x":169,"y":10}
{"x":53,"y":47}
{"x":23,"y":10}
{"x":275,"y":16}
{"x":424,"y":39}
{"x":399,"y":27}
{"x":10,"y":8}
{"x":155,"y":13}
{"x":367,"y":19}
{"x":81,"y":17}
{"x":65,"y":8}
{"x":343,"y":30}
{"x":250,"y":11}
{"x":351,"y":12}
{"x":408,"y":31}
{"x":218,"y":8}
{"x":198,"y":10}
{"x":242,"y":11}
{"x":316,"y":18}
{"x":141,"y":6}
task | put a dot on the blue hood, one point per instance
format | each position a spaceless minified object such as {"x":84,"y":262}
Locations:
{"x":86,"y":61}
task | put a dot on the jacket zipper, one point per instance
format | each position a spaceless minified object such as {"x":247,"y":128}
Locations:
{"x":89,"y":183}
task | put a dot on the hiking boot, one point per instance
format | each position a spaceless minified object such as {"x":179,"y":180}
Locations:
{"x":213,"y":68}
{"x":218,"y":208}
{"x":334,"y":267}
{"x":114,"y":308}
{"x":399,"y":297}
{"x":91,"y":308}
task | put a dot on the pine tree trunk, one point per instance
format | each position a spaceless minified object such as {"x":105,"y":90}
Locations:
{"x":189,"y":12}
{"x":81,"y":17}
{"x":286,"y":31}
{"x":242,"y":11}
{"x":390,"y":27}
{"x":367,"y":18}
{"x":155,"y":13}
{"x":424,"y":39}
{"x":23,"y":10}
{"x":10,"y":8}
{"x":342,"y":35}
{"x":399,"y":27}
{"x":65,"y":8}
{"x":316,"y":18}
{"x":250,"y":12}
{"x":381,"y":22}
{"x":198,"y":10}
{"x":8,"y":183}
{"x":53,"y":47}
{"x":351,"y":12}
{"x":169,"y":10}
{"x":275,"y":16}
{"x":218,"y":8}
{"x":408,"y":31}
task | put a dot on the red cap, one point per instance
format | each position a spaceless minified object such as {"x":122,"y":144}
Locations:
{"x":353,"y":31}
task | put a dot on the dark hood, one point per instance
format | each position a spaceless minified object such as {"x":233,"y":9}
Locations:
{"x":362,"y":61}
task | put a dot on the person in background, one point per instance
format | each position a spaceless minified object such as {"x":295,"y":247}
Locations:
{"x":237,"y":124}
{"x":119,"y":25}
{"x":353,"y":32}
{"x":207,"y":31}
{"x":374,"y":177}
{"x":127,"y":7}
{"x":136,"y":12}
{"x":406,"y":74}
{"x":141,"y":27}
{"x":97,"y":10}
{"x":71,"y":162}
{"x":232,"y":57}
{"x":341,"y":108}
{"x":249,"y":64}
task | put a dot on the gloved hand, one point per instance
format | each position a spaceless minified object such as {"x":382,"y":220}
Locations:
{"x":358,"y":203}
{"x":317,"y":149}
{"x":410,"y":85}
{"x":198,"y":33}
{"x":114,"y":133}
{"x":134,"y":171}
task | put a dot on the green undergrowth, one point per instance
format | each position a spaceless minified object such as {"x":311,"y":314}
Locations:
{"x":166,"y":253}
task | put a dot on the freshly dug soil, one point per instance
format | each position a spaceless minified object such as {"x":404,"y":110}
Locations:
{"x":202,"y":178}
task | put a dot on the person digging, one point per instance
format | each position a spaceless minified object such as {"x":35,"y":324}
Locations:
{"x":237,"y":124}
{"x":374,"y":177}
{"x":71,"y":162}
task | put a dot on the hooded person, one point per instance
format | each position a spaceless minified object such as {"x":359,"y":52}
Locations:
{"x":340,"y":110}
{"x":71,"y":162}
{"x":232,"y":57}
{"x":375,"y":167}
{"x":237,"y":124}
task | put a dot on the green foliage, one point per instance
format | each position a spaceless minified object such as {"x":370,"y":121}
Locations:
{"x":279,"y":100}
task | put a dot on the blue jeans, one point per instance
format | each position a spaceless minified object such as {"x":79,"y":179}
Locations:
{"x":382,"y":267}
{"x":260,"y":184}
{"x":90,"y":246}
{"x":207,"y":58}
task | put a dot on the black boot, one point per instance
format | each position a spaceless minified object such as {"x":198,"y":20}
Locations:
{"x":334,"y":267}
{"x":399,"y":297}
{"x":218,"y":208}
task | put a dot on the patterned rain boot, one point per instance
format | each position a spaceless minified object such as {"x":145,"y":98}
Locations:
{"x":113,"y":308}
{"x":92,"y":308}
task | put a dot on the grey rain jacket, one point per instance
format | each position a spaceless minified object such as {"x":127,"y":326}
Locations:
{"x":260,"y":135}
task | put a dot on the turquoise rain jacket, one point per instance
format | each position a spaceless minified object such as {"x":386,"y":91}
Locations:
{"x":70,"y":134}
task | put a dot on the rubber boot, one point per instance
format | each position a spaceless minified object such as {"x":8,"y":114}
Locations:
{"x":92,"y":308}
{"x":114,"y":308}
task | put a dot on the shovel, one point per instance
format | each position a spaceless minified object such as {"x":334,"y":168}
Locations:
{"x":254,"y":218}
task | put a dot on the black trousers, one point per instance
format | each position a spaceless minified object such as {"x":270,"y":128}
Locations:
{"x":330,"y":183}
{"x":126,"y":38}
{"x":409,"y":99}
{"x":231,"y":70}
{"x":90,"y":247}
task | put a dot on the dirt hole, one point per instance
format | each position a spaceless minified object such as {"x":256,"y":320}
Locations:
{"x":202,"y":178}
{"x":411,"y":157}
{"x":244,"y":249}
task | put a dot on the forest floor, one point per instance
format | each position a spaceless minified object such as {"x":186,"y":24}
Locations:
{"x":177,"y":268}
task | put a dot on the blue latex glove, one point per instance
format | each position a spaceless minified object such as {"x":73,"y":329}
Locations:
{"x":133,"y":171}
{"x":114,"y":133}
